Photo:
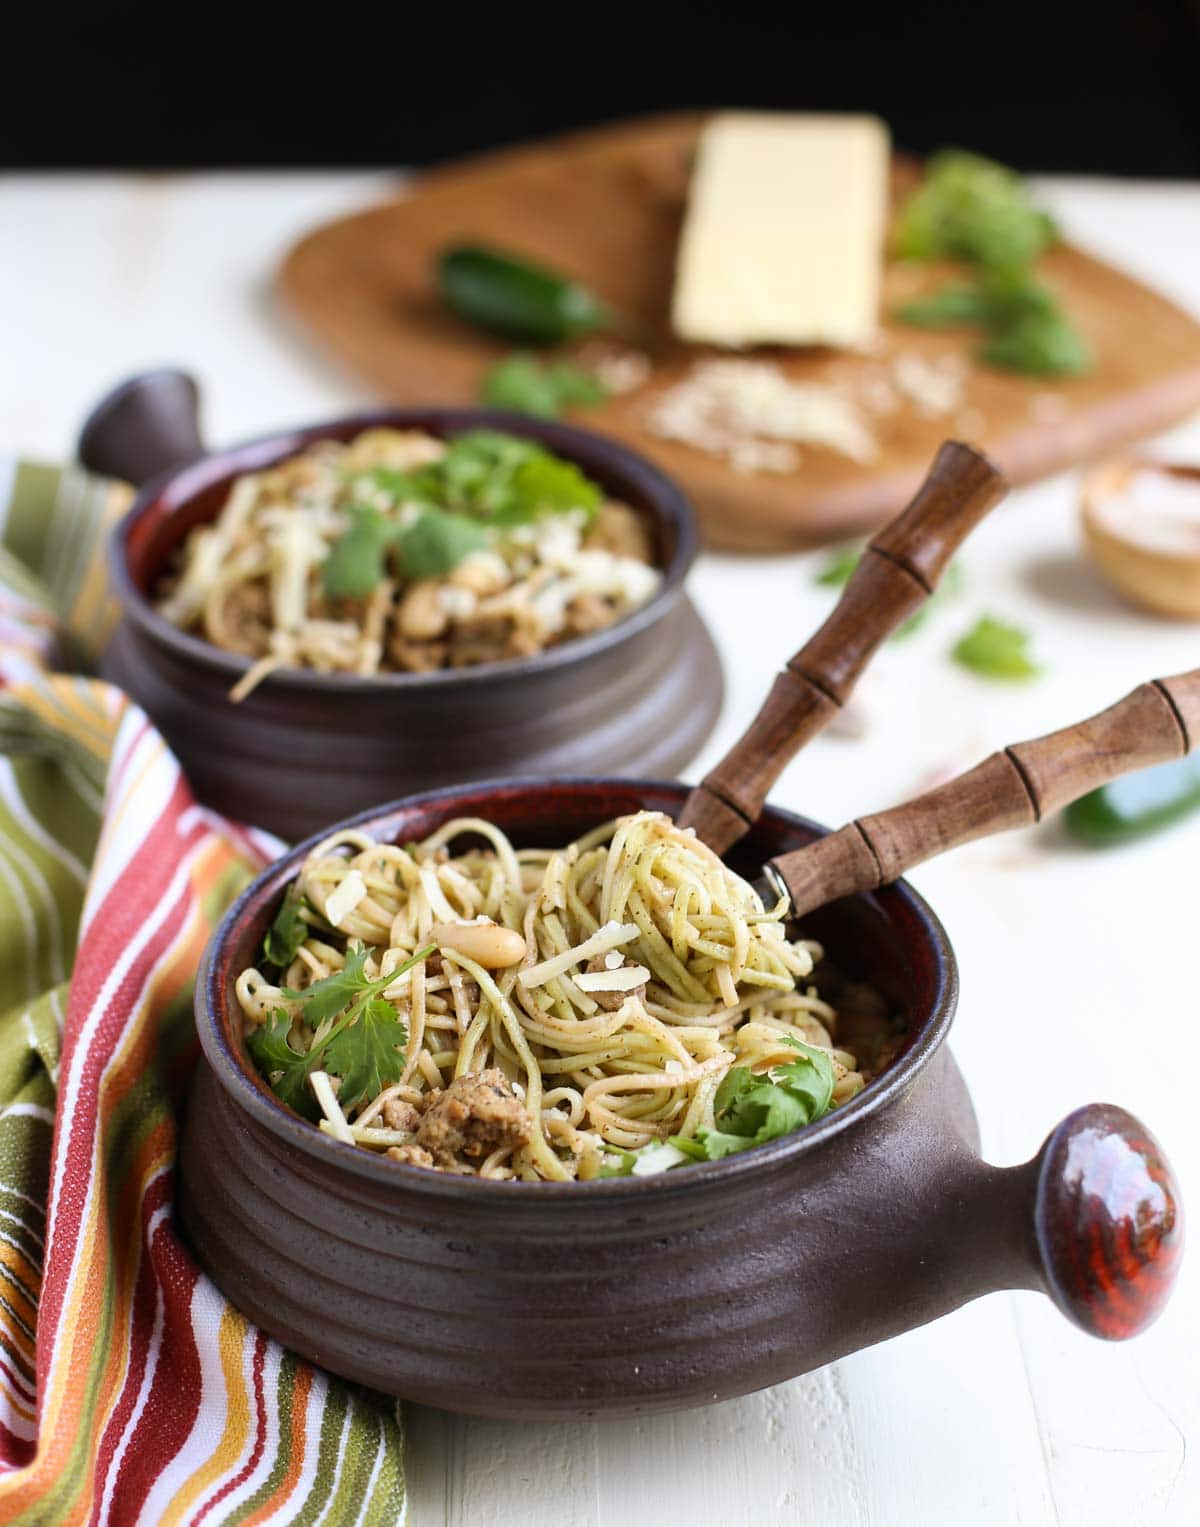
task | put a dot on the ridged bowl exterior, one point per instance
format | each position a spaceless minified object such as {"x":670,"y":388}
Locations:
{"x":625,"y":1296}
{"x":304,"y":749}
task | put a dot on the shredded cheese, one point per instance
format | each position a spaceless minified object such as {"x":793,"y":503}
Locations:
{"x":344,"y":897}
{"x":322,"y":1086}
{"x":624,"y":979}
{"x":611,"y":936}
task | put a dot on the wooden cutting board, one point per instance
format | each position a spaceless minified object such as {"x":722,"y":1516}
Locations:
{"x":606,"y":206}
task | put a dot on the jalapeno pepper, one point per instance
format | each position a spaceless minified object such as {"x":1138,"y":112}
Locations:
{"x":1137,"y":805}
{"x":517,"y":299}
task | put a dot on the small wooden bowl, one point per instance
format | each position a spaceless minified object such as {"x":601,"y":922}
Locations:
{"x":306,"y":748}
{"x":558,"y":1300}
{"x":1165,"y":579}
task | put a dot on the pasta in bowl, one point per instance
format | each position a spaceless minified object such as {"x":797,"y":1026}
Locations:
{"x":349,"y":695}
{"x":623,"y":1004}
{"x":398,"y":551}
{"x":548,"y":1299}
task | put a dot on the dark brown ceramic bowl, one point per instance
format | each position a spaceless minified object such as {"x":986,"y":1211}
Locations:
{"x":640,"y":697}
{"x":528,"y":1300}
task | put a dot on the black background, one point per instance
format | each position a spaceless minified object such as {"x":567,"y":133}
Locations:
{"x":1097,"y":87}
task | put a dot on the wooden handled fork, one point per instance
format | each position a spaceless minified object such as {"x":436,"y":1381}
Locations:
{"x":898,"y":572}
{"x":1015,"y":787}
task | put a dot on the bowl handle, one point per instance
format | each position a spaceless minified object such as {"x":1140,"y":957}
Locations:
{"x":1108,"y":1220}
{"x":145,"y":426}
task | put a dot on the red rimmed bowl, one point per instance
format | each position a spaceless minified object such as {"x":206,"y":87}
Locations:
{"x":539,"y":1300}
{"x":639,"y":697}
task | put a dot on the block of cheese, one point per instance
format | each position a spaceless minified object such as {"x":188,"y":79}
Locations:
{"x":783,"y":241}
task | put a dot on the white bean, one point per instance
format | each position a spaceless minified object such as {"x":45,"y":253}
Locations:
{"x":421,"y":615}
{"x":487,"y":943}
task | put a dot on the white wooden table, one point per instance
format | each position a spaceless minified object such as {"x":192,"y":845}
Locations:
{"x":1078,"y":970}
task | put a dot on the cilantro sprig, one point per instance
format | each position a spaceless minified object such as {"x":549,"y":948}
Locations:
{"x":972,"y":210}
{"x":495,"y":478}
{"x":358,"y":1036}
{"x":529,"y":385}
{"x":485,"y":481}
{"x":750,"y":1109}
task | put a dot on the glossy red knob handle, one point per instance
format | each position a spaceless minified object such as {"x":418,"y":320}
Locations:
{"x":1109,"y":1221}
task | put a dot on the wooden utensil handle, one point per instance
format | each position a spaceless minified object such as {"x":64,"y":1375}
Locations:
{"x":1016,"y":787}
{"x":896,"y":574}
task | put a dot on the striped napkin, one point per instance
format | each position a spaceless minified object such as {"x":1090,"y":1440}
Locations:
{"x":130,"y":1391}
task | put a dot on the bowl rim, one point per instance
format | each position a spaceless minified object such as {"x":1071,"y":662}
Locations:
{"x":664,"y":499}
{"x":252,"y":1095}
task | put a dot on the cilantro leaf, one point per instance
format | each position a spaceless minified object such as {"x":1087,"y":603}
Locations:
{"x":970,"y":208}
{"x":838,"y":571}
{"x":476,"y":473}
{"x":286,"y":933}
{"x":286,"y":1069}
{"x":359,"y":1058}
{"x":713,"y":1144}
{"x":548,"y":485}
{"x":438,"y":542}
{"x":324,"y":998}
{"x":492,"y":477}
{"x":368,"y":1053}
{"x":1039,"y":345}
{"x":995,"y":651}
{"x":357,"y":559}
{"x":750,"y":1109}
{"x":269,"y":1043}
{"x":528,"y":385}
{"x":418,"y":486}
{"x":810,"y":1077}
{"x":763,"y":1110}
{"x":950,"y":308}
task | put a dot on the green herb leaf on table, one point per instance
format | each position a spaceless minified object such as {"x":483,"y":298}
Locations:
{"x":970,"y":209}
{"x":838,"y":571}
{"x":953,"y":307}
{"x":528,"y":385}
{"x":1039,"y":345}
{"x":995,"y":650}
{"x":973,"y":209}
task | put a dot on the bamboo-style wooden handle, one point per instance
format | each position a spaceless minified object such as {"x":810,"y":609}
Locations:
{"x":1016,"y":787}
{"x":898,"y":572}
